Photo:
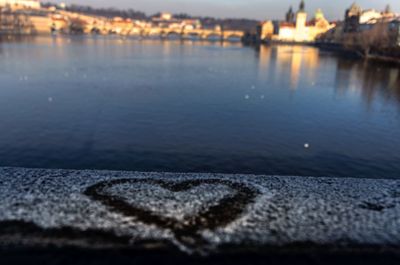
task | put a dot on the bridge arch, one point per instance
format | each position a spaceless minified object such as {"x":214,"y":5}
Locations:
{"x":233,"y":36}
{"x":192,"y":35}
{"x":214,"y":36}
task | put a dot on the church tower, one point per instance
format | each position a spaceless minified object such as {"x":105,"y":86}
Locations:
{"x":301,"y":17}
{"x":302,"y":7}
{"x":290,"y":16}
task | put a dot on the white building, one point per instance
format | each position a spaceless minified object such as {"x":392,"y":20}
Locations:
{"x":34,"y":4}
{"x":370,"y":16}
{"x":302,"y":30}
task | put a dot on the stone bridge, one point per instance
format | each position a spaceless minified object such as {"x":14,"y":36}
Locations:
{"x":202,"y":34}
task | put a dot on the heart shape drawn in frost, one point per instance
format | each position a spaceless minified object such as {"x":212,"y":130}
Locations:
{"x":184,"y":207}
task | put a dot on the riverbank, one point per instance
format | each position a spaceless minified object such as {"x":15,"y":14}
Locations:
{"x":73,"y":217}
{"x":340,"y":49}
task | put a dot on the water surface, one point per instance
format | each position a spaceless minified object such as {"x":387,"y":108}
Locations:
{"x":107,"y":103}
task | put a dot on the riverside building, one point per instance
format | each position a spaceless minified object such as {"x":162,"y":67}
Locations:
{"x":33,"y":4}
{"x":296,"y":28}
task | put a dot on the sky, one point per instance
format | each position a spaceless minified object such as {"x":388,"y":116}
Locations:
{"x":255,"y":9}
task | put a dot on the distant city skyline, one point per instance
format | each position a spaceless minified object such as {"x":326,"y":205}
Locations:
{"x":253,"y":9}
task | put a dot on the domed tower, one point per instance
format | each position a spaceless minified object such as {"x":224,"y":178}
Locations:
{"x":354,"y":10}
{"x":388,"y":12}
{"x":352,"y":18}
{"x":319,"y":15}
{"x":388,"y":9}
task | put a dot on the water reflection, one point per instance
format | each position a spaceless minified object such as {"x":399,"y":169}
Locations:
{"x":371,"y":80}
{"x":300,"y":63}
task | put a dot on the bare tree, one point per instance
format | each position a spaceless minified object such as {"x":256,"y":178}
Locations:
{"x":369,"y":41}
{"x":380,"y":35}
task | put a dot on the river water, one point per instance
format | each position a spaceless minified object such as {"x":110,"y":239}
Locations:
{"x":150,"y":105}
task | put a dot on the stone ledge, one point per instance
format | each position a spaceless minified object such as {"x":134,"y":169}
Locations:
{"x":197,"y":217}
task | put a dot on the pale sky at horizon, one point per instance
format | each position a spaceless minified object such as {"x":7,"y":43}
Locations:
{"x":256,"y":9}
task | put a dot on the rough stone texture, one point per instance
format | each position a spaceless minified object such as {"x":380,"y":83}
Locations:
{"x":194,"y":213}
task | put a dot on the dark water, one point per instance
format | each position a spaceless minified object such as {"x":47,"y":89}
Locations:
{"x":196,"y":107}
